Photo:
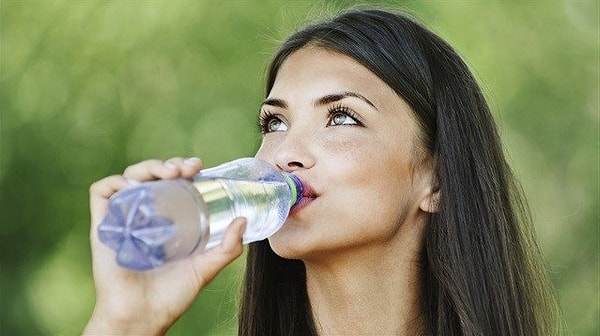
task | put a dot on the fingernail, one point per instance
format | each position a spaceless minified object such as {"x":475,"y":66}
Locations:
{"x":193,"y":161}
{"x":170,"y":165}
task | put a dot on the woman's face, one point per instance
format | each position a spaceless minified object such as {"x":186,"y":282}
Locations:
{"x":352,"y":139}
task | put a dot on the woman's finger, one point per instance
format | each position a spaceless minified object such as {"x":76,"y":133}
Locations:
{"x":100,"y":192}
{"x":171,"y":168}
{"x":152,"y":170}
{"x":207,"y":265}
{"x":190,"y":167}
{"x":187,"y":167}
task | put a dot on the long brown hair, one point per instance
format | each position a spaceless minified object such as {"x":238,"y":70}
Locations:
{"x":483,"y":273}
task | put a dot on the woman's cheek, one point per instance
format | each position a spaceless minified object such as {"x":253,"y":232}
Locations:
{"x":267,"y":147}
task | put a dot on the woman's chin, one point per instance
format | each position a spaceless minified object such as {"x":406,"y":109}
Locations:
{"x":290,"y":243}
{"x":285,"y":249}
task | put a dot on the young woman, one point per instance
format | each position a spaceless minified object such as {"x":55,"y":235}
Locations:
{"x":412,"y":223}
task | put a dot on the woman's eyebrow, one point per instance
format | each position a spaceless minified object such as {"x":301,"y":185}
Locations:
{"x":275,"y":102}
{"x":328,"y":99}
{"x":339,"y":96}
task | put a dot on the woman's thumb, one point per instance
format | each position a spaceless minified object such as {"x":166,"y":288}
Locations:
{"x":209,"y":264}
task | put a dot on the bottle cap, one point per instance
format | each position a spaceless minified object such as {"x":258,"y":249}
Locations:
{"x":295,"y":187}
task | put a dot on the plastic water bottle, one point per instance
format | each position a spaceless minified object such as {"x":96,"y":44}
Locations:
{"x":160,"y":221}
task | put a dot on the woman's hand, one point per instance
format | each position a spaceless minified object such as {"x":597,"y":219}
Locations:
{"x":149,"y":302}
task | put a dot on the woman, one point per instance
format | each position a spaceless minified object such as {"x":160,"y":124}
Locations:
{"x":413,"y":223}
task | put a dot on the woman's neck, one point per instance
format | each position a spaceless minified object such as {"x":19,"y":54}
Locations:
{"x":367,"y":293}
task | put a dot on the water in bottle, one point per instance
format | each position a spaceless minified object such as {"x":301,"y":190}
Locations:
{"x":165,"y":220}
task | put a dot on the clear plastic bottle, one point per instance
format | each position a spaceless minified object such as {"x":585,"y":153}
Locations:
{"x":156,"y":222}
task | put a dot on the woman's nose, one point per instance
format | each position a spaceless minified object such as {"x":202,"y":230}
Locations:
{"x":293,"y":155}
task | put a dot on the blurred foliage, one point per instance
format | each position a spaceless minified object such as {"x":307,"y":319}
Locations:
{"x":89,"y":87}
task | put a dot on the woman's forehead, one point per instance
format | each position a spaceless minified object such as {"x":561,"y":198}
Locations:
{"x":315,"y":72}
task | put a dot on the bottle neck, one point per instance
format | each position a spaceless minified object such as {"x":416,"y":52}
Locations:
{"x":295,"y":188}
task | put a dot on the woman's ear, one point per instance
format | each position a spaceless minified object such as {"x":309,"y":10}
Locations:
{"x":431,"y":202}
{"x":429,"y":187}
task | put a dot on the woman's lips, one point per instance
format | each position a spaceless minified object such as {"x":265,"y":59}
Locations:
{"x":301,"y":204}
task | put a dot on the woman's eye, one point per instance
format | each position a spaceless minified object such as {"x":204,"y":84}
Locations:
{"x":341,"y":118}
{"x":271,"y":123}
{"x":276,"y":125}
{"x":342,"y":115}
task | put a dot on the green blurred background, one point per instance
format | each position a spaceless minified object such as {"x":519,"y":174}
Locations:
{"x":89,"y":87}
